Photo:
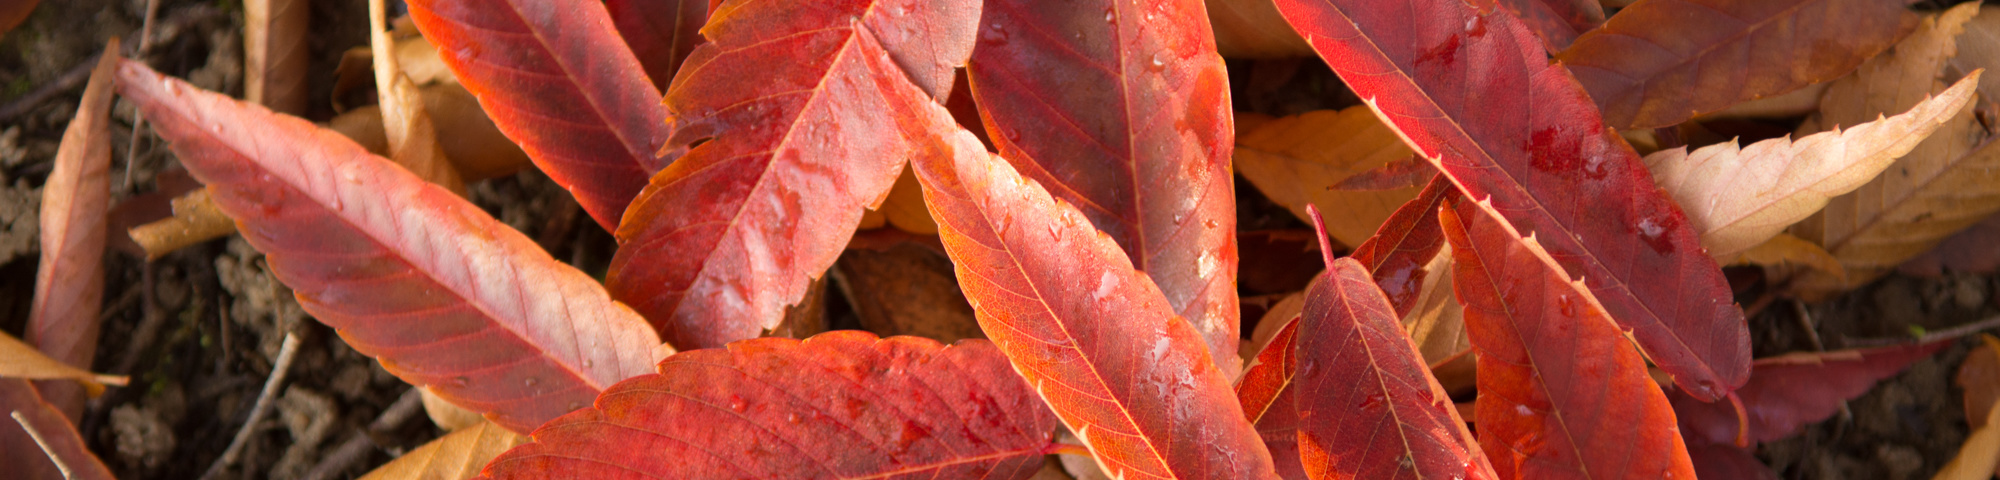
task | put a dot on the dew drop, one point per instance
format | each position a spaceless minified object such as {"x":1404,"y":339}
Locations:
{"x":792,"y":417}
{"x":1110,"y":16}
{"x":1567,"y":305}
{"x":1372,"y":401}
{"x":1106,"y":285}
{"x":994,"y":34}
{"x":1209,"y":223}
{"x":1159,"y":63}
{"x":461,"y":382}
{"x":1523,"y":410}
{"x":737,"y":404}
{"x":576,"y":405}
{"x":530,"y":382}
{"x":587,"y":363}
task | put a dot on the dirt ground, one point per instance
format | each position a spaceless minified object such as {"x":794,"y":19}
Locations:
{"x":198,"y":329}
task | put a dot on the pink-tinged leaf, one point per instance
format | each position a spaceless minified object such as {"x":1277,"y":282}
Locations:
{"x":448,"y":298}
{"x":1094,"y":336}
{"x":661,"y":33}
{"x":27,"y":457}
{"x":839,"y":405}
{"x":1400,"y":248}
{"x":1787,"y":392}
{"x":1122,"y":110}
{"x":1562,"y":394}
{"x":720,"y":242}
{"x":69,"y":284}
{"x":556,"y":78}
{"x":1724,"y":462}
{"x":1474,"y":93}
{"x":1658,"y":63}
{"x":1557,"y":22}
{"x":1367,"y":404}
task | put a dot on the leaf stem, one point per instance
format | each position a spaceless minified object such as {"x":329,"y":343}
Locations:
{"x":1059,"y":448}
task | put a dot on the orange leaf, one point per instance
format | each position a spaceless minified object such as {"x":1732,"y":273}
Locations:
{"x":1094,"y":336}
{"x":556,"y":78}
{"x":736,"y":229}
{"x":445,"y":296}
{"x":1127,"y":119}
{"x":1660,"y":62}
{"x":1562,"y":394}
{"x":839,"y":405}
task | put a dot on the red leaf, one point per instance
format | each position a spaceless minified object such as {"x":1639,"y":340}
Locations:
{"x":1265,"y":391}
{"x":69,"y":283}
{"x":1475,"y":94}
{"x":1787,"y":392}
{"x":1556,"y":22}
{"x":445,"y":296}
{"x":1660,"y":62}
{"x":1094,"y":336}
{"x":1723,"y":462}
{"x":1396,"y":254}
{"x":839,"y":405}
{"x":1128,"y":119}
{"x":1561,"y":392}
{"x":734,"y":231}
{"x":27,"y":459}
{"x":555,"y":78}
{"x":1367,"y":404}
{"x":661,"y":33}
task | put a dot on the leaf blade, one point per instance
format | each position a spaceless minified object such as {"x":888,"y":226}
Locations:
{"x":1787,"y":392}
{"x":69,"y":279}
{"x":1520,"y":132}
{"x":838,"y":405}
{"x":366,"y":246}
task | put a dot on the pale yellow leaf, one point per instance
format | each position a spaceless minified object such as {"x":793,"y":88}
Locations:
{"x":412,"y":140}
{"x":1789,"y":250}
{"x":1740,"y":197}
{"x":1436,"y":324}
{"x":905,"y":206}
{"x":1294,"y":159}
{"x":458,"y":455}
{"x":449,"y":417}
{"x":18,"y":360}
{"x":1948,"y":182}
{"x":1981,"y":452}
{"x":1254,"y":29}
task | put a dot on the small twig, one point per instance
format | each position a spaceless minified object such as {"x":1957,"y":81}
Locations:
{"x":1927,"y":337}
{"x":1059,"y":448}
{"x":69,"y":80}
{"x":289,"y":350}
{"x":43,"y":441}
{"x":149,"y":323}
{"x":361,"y":443}
{"x":139,"y":122}
{"x":1806,"y":323}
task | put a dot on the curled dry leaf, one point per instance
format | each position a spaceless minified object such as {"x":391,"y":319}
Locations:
{"x":457,"y":455}
{"x":772,"y":176}
{"x":275,"y":55}
{"x":1367,"y":404}
{"x":1948,"y":182}
{"x":340,"y":226}
{"x":661,"y":33}
{"x":1293,"y":160}
{"x":1562,"y":393}
{"x":1740,"y":197}
{"x":406,"y":126}
{"x":1787,"y":392}
{"x":69,"y":281}
{"x":1253,"y":29}
{"x":1980,"y":453}
{"x":1979,"y":377}
{"x":18,"y":360}
{"x":1473,"y":92}
{"x":1094,"y":336}
{"x":1660,"y":62}
{"x":839,"y":405}
{"x":559,"y":81}
{"x":1143,"y":151}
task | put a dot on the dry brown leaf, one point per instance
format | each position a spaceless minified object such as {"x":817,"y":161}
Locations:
{"x":1979,"y":47}
{"x":1948,"y":182}
{"x":364,"y":126}
{"x":806,"y":318}
{"x":1437,"y":323}
{"x":458,"y":455}
{"x":1980,"y":454}
{"x":1294,"y":159}
{"x":906,"y":289}
{"x":196,"y":219}
{"x":470,"y":141}
{"x":1979,"y":376}
{"x":275,"y":56}
{"x":1803,"y":101}
{"x":416,"y":55}
{"x":1253,"y":29}
{"x":412,"y":140}
{"x":69,"y":282}
{"x":1740,"y":197}
{"x":449,"y":417}
{"x":905,"y":207}
{"x":1789,"y":250}
{"x":18,"y":360}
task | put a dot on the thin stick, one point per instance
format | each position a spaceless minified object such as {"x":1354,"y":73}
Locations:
{"x":43,"y":441}
{"x":70,"y":79}
{"x":1927,"y":337}
{"x":286,"y":352}
{"x":359,"y":444}
{"x":1806,"y":323}
{"x":139,"y":121}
